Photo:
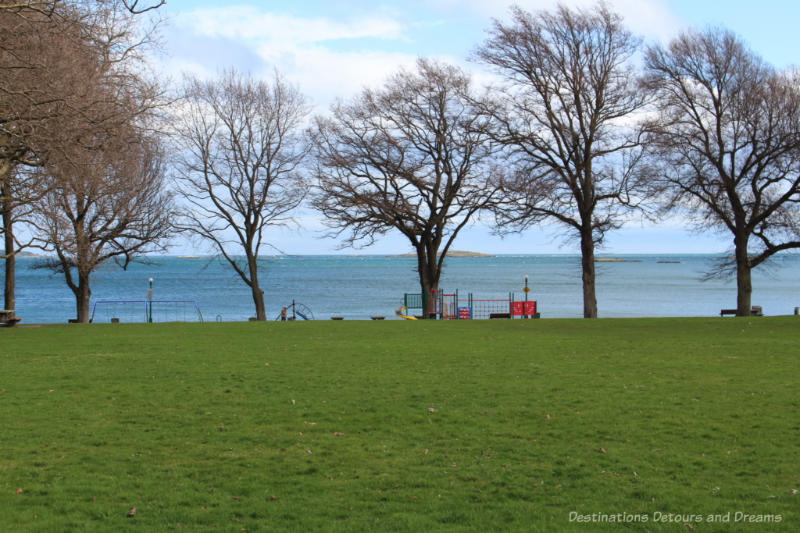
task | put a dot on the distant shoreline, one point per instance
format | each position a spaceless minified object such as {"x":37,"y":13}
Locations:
{"x":616,"y":260}
{"x":451,"y":253}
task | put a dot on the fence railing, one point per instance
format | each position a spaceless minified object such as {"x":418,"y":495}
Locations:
{"x":146,"y":311}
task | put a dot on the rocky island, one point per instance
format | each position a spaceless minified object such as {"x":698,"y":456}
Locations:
{"x":451,"y":253}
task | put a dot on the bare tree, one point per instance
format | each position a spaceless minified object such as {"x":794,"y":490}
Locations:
{"x":411,"y":157}
{"x":74,"y":113}
{"x":564,"y":117}
{"x":726,"y":145}
{"x":106,"y":202}
{"x":25,"y":119}
{"x":52,"y":55}
{"x":239,"y":169}
{"x":19,"y":188}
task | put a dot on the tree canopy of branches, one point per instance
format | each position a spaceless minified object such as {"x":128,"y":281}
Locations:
{"x":52,"y":56}
{"x":411,"y":157}
{"x":35,"y":76}
{"x":564,"y":118}
{"x":75,"y":108}
{"x":241,"y":148}
{"x":107,"y":201}
{"x":726,"y":145}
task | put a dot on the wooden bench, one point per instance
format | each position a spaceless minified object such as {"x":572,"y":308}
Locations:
{"x":8,"y":318}
{"x":756,"y":310}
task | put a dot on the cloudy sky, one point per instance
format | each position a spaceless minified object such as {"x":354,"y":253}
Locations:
{"x":331,"y":49}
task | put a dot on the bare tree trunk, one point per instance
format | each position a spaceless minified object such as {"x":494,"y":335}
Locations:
{"x":258,"y":294}
{"x":82,"y":297}
{"x":744,"y":286}
{"x":428,"y":277}
{"x":9,"y":298}
{"x":587,"y":264}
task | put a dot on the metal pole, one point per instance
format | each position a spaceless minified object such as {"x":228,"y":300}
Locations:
{"x":150,"y":301}
{"x":525,"y":311}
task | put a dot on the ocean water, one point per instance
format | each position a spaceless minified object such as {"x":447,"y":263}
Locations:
{"x":357,"y":287}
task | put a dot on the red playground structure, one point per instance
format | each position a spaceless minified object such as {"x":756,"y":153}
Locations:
{"x":442,"y":305}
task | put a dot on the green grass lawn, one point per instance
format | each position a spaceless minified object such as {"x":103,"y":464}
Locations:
{"x":401,"y":426}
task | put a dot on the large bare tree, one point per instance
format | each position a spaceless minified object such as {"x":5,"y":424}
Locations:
{"x":31,"y":66}
{"x":238,"y":172}
{"x":412,"y":157}
{"x":76,"y":113}
{"x":52,"y":56}
{"x":726,"y":145}
{"x":564,"y":117}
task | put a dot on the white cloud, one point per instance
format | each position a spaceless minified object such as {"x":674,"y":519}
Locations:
{"x":304,"y":49}
{"x":325,"y":75}
{"x":179,"y":65}
{"x":250,"y":23}
{"x":321,"y":54}
{"x":653,"y":18}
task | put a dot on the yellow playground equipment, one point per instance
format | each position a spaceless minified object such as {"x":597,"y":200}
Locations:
{"x":402,"y":312}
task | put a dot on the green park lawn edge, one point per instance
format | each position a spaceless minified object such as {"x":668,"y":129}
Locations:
{"x":538,"y":425}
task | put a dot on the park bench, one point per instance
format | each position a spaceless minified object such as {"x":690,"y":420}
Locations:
{"x":756,"y":310}
{"x":8,"y":318}
{"x":499,"y":315}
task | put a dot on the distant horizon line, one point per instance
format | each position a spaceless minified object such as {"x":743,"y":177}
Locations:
{"x":407,"y":255}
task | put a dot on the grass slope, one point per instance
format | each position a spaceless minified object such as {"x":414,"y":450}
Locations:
{"x":400,"y":426}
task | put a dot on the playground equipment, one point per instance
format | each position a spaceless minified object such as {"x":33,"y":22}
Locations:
{"x":296,"y":309}
{"x":402,"y":312}
{"x":451,"y":306}
{"x":146,"y":311}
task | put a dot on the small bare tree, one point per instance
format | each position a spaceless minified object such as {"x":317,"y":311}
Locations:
{"x":238,"y":171}
{"x":564,"y":118}
{"x":106,"y":202}
{"x":726,"y":145}
{"x":411,"y":157}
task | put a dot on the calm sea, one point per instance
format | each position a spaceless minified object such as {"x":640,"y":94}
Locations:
{"x":357,"y":287}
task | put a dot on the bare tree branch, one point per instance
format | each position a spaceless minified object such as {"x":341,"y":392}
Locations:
{"x":48,"y":7}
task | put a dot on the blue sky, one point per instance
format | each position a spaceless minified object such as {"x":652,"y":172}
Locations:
{"x":331,"y":49}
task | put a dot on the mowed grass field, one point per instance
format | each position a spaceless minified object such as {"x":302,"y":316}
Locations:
{"x":402,"y":426}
